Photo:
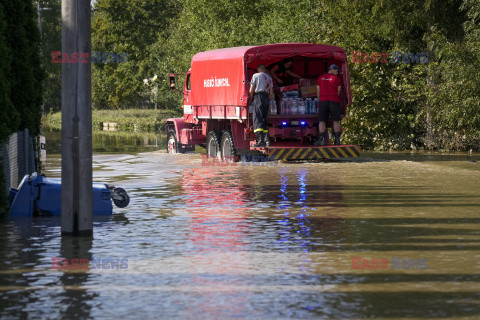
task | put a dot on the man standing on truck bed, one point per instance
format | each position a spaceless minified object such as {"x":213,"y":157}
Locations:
{"x":281,"y":70}
{"x":328,"y":93}
{"x":261,"y":91}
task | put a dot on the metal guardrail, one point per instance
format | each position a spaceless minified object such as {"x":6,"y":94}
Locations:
{"x":17,"y":157}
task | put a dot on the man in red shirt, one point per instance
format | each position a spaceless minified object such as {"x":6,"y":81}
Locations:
{"x":328,"y":93}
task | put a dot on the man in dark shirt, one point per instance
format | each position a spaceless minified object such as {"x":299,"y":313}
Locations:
{"x":328,"y":93}
{"x":280,"y":70}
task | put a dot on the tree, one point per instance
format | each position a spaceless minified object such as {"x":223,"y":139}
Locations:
{"x":10,"y":118}
{"x":25,"y":74}
{"x":131,"y":27}
{"x":388,"y":98}
{"x":455,"y":92}
{"x":20,"y":74}
{"x":51,"y":41}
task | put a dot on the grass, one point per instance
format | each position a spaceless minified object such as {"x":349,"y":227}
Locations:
{"x":145,"y":120}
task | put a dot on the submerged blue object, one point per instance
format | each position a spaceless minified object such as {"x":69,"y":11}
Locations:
{"x":40,"y":196}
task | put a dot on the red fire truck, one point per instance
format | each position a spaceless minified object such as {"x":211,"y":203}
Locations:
{"x":216,"y":114}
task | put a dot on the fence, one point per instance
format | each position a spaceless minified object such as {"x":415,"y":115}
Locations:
{"x":17,"y":157}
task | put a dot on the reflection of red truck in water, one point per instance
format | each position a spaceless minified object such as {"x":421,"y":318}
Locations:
{"x":216,"y":114}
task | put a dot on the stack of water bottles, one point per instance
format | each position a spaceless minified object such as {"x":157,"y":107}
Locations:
{"x":273,"y":107}
{"x":292,"y":103}
{"x":311,"y":105}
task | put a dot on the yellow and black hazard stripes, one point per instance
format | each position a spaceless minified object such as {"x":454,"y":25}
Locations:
{"x":332,"y":152}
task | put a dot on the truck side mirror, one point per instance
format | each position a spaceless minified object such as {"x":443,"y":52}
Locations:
{"x":172,"y":81}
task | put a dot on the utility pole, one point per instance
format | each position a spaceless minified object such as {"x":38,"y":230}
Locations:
{"x":155,"y":79}
{"x":77,"y":203}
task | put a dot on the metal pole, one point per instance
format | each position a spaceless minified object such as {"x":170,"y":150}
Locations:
{"x":40,"y":8}
{"x":77,"y":205}
{"x":156,"y":95}
{"x":39,"y":14}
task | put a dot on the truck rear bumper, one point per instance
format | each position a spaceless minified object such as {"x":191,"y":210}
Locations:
{"x":311,"y":152}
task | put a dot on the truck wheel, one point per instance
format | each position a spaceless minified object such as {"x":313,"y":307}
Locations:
{"x":213,"y":145}
{"x":227,"y":147}
{"x":172,"y":142}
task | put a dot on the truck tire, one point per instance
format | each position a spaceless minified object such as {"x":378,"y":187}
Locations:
{"x":227,"y":147}
{"x":172,"y":142}
{"x":213,"y":144}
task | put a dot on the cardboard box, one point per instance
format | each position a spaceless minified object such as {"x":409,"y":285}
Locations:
{"x":309,"y":92}
{"x":305,"y":83}
{"x":289,"y":88}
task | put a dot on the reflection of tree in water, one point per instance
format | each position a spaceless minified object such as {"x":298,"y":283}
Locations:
{"x":27,"y":246}
{"x":126,"y":141}
{"x":106,"y":141}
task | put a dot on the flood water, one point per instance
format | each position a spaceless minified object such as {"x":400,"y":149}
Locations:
{"x":393,"y":236}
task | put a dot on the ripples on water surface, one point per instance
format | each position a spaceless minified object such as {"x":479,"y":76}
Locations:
{"x":259,"y":242}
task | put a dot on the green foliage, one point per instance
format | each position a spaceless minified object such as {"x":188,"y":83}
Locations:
{"x":385,"y":102}
{"x":454,"y":91}
{"x":51,"y":41}
{"x":398,"y":106}
{"x":20,"y":75}
{"x":131,"y":27}
{"x":25,"y":75}
{"x":9,"y":115}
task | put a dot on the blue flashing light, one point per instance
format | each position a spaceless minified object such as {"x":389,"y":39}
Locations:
{"x":302,"y":123}
{"x":284,"y":123}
